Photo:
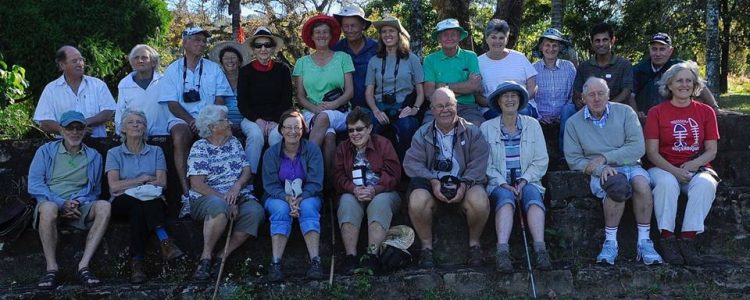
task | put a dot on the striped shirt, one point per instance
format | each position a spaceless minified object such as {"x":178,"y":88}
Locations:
{"x":512,"y":142}
{"x":554,"y":86}
{"x":598,"y":122}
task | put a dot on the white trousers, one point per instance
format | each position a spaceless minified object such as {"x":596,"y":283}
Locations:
{"x":701,"y":191}
{"x":254,"y":141}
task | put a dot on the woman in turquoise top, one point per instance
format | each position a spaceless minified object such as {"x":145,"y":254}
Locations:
{"x":324,"y":72}
{"x":231,"y":59}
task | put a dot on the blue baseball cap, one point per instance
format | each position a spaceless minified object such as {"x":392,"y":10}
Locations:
{"x":70,"y":117}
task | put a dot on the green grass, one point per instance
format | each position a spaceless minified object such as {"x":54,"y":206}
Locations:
{"x":735,"y":102}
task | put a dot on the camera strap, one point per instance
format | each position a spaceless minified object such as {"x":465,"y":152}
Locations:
{"x":439,"y":148}
{"x":184,"y":74}
{"x":382,"y":76}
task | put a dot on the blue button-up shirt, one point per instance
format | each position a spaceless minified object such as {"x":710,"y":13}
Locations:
{"x":554,"y":86}
{"x":360,"y":60}
{"x":601,"y":122}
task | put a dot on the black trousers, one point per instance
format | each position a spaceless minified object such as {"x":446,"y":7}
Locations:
{"x":143,"y":216}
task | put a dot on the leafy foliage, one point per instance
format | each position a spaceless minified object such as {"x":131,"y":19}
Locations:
{"x":13,"y":83}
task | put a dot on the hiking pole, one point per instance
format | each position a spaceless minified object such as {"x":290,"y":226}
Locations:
{"x":523,"y":232}
{"x":333,"y":244}
{"x":224,"y":256}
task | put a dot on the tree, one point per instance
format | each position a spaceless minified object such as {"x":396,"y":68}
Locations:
{"x":511,"y":11}
{"x":459,"y":10}
{"x":712,"y":46}
{"x":557,"y":13}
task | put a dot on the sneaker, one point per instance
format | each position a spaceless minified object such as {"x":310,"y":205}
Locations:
{"x":608,"y":254}
{"x":647,"y":252}
{"x":425,"y":259}
{"x":316,"y":270}
{"x":475,"y":257}
{"x":690,"y":253}
{"x":543,"y":262}
{"x":185,"y":210}
{"x":349,"y":264}
{"x":502,"y":262}
{"x":204,"y":270}
{"x":670,"y":251}
{"x":274,"y":272}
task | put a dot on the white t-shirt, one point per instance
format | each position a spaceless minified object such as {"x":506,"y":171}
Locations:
{"x":92,"y":98}
{"x":211,"y":82}
{"x":513,"y":67}
{"x":131,"y":96}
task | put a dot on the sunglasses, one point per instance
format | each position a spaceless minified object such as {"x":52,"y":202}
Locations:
{"x":356,"y":129}
{"x":75,"y":128}
{"x":267,"y":45}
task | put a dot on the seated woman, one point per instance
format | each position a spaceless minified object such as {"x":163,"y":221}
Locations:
{"x":394,"y":84}
{"x":681,"y":141}
{"x":367,"y":171}
{"x":518,"y":160}
{"x":219,"y":192}
{"x":264,"y":92}
{"x":293,"y":182}
{"x":231,"y":56}
{"x":324,"y":72}
{"x":501,"y":64}
{"x":137,"y":174}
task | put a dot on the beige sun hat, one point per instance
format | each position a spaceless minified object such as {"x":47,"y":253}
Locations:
{"x":263,"y":31}
{"x":393,"y":22}
{"x":243,"y":49}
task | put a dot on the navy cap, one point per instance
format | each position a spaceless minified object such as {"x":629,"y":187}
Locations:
{"x":661,"y":38}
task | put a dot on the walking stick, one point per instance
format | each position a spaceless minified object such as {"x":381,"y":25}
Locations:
{"x":523,"y":231}
{"x":224,"y":256}
{"x":333,"y":245}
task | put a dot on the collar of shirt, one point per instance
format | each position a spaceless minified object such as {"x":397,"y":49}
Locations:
{"x":612,"y":60}
{"x":459,"y":54}
{"x":518,"y":124}
{"x":130,"y":82}
{"x":440,"y":133}
{"x":556,"y":67}
{"x":598,"y":122}
{"x":60,"y":81}
{"x":144,"y":151}
{"x":62,"y":149}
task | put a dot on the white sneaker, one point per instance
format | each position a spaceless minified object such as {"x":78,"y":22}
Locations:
{"x":647,"y":252}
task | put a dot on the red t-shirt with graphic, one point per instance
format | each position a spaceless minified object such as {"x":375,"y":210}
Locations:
{"x":681,"y":131}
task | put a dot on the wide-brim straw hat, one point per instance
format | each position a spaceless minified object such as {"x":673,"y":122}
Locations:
{"x":307,"y":30}
{"x":265,"y":32}
{"x":393,"y":22}
{"x":244,"y":50}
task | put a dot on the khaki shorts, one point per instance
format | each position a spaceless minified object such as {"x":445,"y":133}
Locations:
{"x":250,"y":213}
{"x":379,"y":210}
{"x":80,"y":223}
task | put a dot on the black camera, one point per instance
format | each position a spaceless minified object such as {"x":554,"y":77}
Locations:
{"x":389,"y":98}
{"x":443,"y":165}
{"x":191,"y":96}
{"x":449,"y":186}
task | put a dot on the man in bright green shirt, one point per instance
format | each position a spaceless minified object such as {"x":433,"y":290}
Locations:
{"x":455,"y":68}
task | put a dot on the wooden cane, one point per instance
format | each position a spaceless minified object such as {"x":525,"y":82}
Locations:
{"x":224,"y":256}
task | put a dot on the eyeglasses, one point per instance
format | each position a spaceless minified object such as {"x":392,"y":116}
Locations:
{"x":75,"y":128}
{"x":356,"y":129}
{"x":444,"y":106}
{"x":268,"y":45}
{"x":291,"y":128}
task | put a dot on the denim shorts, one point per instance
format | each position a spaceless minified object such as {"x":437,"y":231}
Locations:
{"x":530,"y":196}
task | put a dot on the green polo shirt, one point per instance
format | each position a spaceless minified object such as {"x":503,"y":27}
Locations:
{"x":440,"y":68}
{"x":68,"y":172}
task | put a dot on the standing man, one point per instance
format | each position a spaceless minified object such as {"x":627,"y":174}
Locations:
{"x":64,"y":178}
{"x":447,"y":164}
{"x":74,"y":91}
{"x":189,"y":84}
{"x":358,"y":46}
{"x":605,"y":140}
{"x":648,"y":72}
{"x":454,"y":68}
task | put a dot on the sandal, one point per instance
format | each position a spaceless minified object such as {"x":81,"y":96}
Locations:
{"x":203,"y":272}
{"x":87,"y":278}
{"x":48,"y":281}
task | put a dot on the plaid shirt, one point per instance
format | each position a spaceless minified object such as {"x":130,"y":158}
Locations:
{"x":598,"y":122}
{"x":554,"y":86}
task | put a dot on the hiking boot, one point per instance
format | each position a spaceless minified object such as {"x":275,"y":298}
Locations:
{"x":502,"y":262}
{"x":370,"y":262}
{"x":690,"y":253}
{"x":543,"y":262}
{"x":169,"y":250}
{"x":274,"y":272}
{"x":204,"y":270}
{"x":137,"y":275}
{"x":349,"y":264}
{"x":316,"y":270}
{"x":647,"y":252}
{"x":475,"y":257}
{"x":608,"y":254}
{"x":670,"y":251}
{"x":425,"y":259}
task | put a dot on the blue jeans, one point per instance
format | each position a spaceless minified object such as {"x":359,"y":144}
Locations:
{"x":568,"y":110}
{"x":530,"y":195}
{"x":281,"y":221}
{"x":404,"y":127}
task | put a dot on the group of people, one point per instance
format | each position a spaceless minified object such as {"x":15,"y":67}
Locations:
{"x":479,"y":148}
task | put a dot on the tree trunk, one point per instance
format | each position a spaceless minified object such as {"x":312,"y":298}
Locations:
{"x":511,"y":11}
{"x":416,"y":31}
{"x":557,"y":13}
{"x":236,"y":12}
{"x":726,"y":19}
{"x":712,"y":46}
{"x":459,"y":10}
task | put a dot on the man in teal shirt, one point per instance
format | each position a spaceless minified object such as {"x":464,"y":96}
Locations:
{"x":455,"y":68}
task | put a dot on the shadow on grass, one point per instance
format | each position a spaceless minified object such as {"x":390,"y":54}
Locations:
{"x":735,"y":102}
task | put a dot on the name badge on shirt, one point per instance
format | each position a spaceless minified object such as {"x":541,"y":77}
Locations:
{"x":608,"y":76}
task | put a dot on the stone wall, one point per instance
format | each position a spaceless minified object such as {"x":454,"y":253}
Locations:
{"x":574,"y":231}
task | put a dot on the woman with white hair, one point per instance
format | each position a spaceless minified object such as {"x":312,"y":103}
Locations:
{"x":139,"y":90}
{"x":137,"y":175}
{"x":681,"y":141}
{"x":219,"y":192}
